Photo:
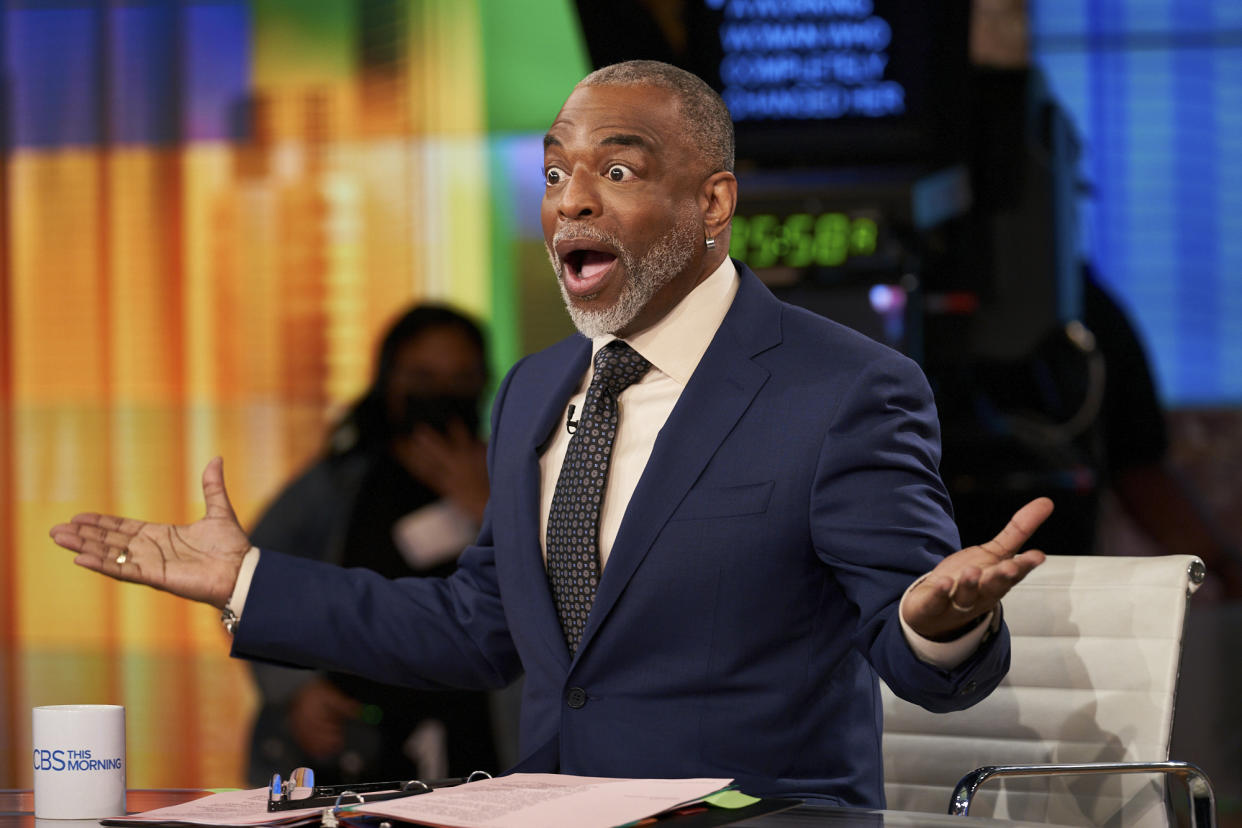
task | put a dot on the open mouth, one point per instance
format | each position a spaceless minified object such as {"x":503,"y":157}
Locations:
{"x":585,"y":268}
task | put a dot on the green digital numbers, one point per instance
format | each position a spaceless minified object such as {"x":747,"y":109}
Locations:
{"x":799,"y":240}
{"x":864,"y":236}
{"x":832,"y":239}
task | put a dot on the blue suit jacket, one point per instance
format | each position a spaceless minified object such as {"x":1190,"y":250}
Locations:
{"x":790,"y":499}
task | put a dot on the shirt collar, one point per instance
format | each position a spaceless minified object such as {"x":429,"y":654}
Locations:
{"x":676,"y":343}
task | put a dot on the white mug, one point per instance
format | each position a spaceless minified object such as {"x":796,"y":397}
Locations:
{"x":79,"y":761}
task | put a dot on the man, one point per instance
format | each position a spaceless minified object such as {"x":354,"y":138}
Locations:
{"x":771,"y":492}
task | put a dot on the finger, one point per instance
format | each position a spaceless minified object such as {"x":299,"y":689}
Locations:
{"x":217,"y":499}
{"x":66,"y":535}
{"x":999,"y":579}
{"x":1020,"y":528}
{"x":94,"y":550}
{"x":931,"y":595}
{"x":88,"y":538}
{"x":112,"y":561}
{"x":128,"y":525}
{"x":965,"y":595}
{"x":107,"y":537}
{"x":106,"y":521}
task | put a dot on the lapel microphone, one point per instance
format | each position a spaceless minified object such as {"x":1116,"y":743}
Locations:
{"x":571,"y":425}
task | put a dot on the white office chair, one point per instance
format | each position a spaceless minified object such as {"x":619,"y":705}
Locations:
{"x":1092,"y":683}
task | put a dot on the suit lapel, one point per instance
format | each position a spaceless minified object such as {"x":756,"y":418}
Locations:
{"x":718,"y":394}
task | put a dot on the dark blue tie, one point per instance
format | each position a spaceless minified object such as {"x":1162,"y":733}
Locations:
{"x":573,"y":521}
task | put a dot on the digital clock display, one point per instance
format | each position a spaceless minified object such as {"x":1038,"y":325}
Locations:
{"x":802,"y":240}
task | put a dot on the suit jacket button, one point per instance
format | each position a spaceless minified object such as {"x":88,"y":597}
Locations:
{"x":577,"y":697}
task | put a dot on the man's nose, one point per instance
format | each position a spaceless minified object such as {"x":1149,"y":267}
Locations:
{"x":580,"y":196}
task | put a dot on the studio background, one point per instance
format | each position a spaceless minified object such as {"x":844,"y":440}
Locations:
{"x":209,"y":209}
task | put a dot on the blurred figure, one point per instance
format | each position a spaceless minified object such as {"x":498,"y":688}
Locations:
{"x":400,"y":489}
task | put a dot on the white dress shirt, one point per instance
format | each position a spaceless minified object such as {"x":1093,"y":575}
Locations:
{"x":673,"y":346}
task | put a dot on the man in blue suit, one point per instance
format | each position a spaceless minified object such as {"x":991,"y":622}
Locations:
{"x":770,"y":531}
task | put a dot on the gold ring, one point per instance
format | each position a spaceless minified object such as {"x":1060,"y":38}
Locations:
{"x":122,"y":558}
{"x":960,"y":608}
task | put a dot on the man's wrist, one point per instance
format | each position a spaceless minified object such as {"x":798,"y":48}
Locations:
{"x":230,"y":615}
{"x":957,"y":632}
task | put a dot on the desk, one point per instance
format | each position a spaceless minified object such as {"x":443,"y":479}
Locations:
{"x":17,"y":811}
{"x":17,"y":807}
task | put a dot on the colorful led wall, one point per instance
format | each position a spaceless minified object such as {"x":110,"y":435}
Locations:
{"x":208,"y":211}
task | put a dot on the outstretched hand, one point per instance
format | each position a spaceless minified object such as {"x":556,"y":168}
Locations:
{"x":971,"y":582}
{"x":199,"y":561}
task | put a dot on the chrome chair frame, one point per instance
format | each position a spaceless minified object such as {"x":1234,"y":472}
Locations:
{"x":1201,"y":800}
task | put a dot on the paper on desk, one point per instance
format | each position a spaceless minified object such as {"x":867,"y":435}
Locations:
{"x":240,"y":808}
{"x":545,"y":800}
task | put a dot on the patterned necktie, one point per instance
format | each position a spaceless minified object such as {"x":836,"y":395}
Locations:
{"x":573,"y":522}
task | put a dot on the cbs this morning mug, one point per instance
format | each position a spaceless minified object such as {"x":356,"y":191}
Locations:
{"x":79,"y":761}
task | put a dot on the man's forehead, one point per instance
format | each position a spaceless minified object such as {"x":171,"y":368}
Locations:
{"x":633,"y":114}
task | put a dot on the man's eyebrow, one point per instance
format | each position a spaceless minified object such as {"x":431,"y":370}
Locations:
{"x":626,"y":140}
{"x":620,"y":139}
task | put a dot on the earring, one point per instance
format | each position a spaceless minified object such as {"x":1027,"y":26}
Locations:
{"x":711,"y":243}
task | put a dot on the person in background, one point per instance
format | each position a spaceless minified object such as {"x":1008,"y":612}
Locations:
{"x":399,"y":489}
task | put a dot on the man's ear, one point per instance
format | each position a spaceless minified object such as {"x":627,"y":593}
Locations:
{"x":718,"y":199}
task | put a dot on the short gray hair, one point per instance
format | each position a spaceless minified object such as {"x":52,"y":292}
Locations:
{"x":708,"y":124}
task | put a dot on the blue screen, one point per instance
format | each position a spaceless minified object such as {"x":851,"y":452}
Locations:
{"x":1155,"y":89}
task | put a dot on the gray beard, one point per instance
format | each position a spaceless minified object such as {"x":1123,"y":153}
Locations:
{"x":644,"y":277}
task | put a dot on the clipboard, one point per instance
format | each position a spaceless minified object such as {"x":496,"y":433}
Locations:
{"x":300,"y":791}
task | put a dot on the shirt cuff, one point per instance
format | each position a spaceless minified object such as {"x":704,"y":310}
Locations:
{"x":241,"y":587}
{"x":944,"y":655}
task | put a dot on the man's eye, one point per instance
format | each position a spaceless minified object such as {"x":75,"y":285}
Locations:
{"x":617,"y":172}
{"x":553,"y":175}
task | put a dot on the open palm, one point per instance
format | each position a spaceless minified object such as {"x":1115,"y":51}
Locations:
{"x":198,"y":561}
{"x":972,"y":581}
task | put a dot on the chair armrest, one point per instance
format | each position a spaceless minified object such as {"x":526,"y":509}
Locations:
{"x":1194,"y":781}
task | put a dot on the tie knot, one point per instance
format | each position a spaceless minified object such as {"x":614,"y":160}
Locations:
{"x":618,"y":366}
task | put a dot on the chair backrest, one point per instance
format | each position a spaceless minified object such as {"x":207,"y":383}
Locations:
{"x":1093,"y":678}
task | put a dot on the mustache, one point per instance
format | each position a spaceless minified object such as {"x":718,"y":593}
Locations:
{"x":577,"y":231}
{"x":581,"y":231}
